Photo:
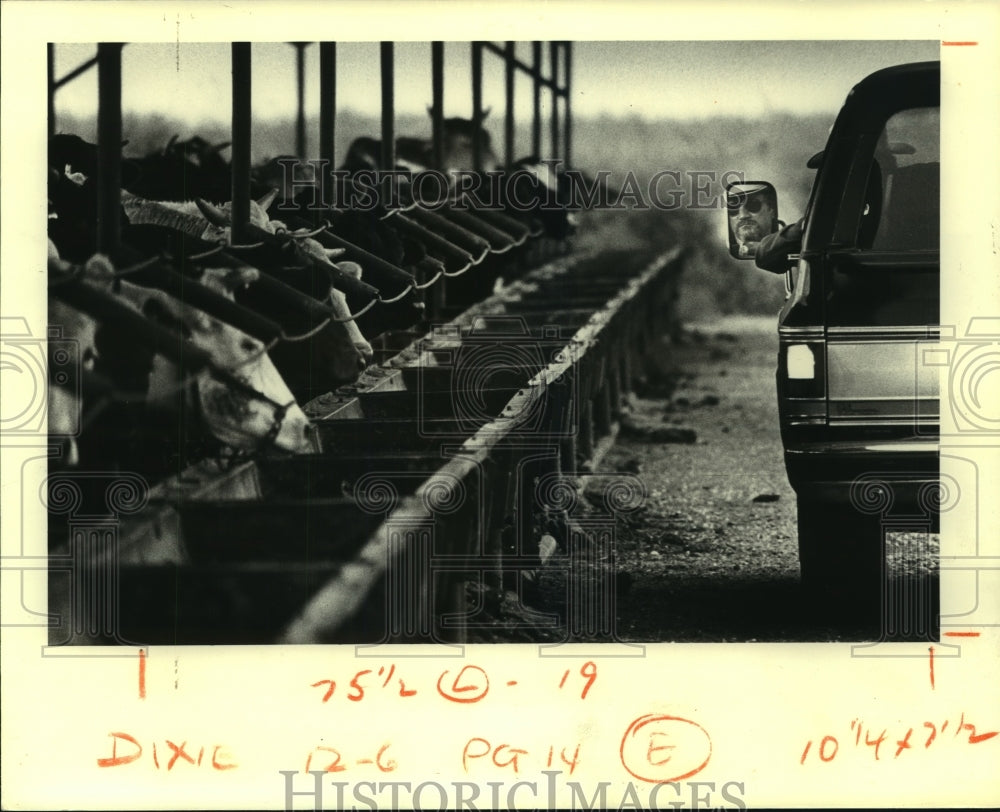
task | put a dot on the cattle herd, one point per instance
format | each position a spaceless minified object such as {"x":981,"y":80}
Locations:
{"x":274,"y":392}
{"x":225,"y":340}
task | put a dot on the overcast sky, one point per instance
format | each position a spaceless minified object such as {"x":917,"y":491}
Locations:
{"x":191,"y":81}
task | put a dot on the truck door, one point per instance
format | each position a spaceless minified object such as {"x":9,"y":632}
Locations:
{"x":882,"y":286}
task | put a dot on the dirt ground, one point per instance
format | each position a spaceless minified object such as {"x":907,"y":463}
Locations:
{"x":710,"y":552}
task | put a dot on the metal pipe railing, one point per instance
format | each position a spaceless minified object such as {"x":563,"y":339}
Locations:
{"x":328,"y":93}
{"x":51,"y":80}
{"x":79,"y":70}
{"x":109,"y":144}
{"x":536,"y":119}
{"x":560,"y":54}
{"x":477,"y":105}
{"x":568,"y":120}
{"x":554,"y":65}
{"x":508,"y":129}
{"x":327,"y":111}
{"x":534,"y":72}
{"x":437,"y":105}
{"x":388,"y":157}
{"x":240,"y":135}
{"x":300,"y":115}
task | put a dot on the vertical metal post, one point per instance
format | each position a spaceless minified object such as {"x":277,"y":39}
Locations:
{"x":536,"y":119}
{"x":300,"y":118}
{"x":327,"y":107}
{"x":508,"y":128}
{"x":388,"y":119}
{"x":388,"y":108}
{"x":52,"y":87}
{"x":477,"y":105}
{"x":437,"y":109}
{"x":554,"y":64}
{"x":240,"y":135}
{"x":568,"y":122}
{"x":109,"y":142}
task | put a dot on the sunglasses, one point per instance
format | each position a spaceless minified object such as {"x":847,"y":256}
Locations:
{"x":752,"y":205}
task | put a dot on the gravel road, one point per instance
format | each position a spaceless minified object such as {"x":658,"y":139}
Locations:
{"x":711,"y":552}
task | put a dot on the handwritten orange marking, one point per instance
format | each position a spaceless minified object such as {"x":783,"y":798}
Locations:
{"x":116,"y":759}
{"x":513,"y":760}
{"x":215,"y":760}
{"x":576,"y":758}
{"x":333,"y":767}
{"x":877,"y":743}
{"x":467,"y":754}
{"x":958,"y":43}
{"x":357,"y":687}
{"x":961,"y":634}
{"x":142,"y":673}
{"x":588,"y":670}
{"x":486,"y":748}
{"x":178,"y":752}
{"x":904,"y":743}
{"x":479,"y":691}
{"x":329,"y":693}
{"x":386,"y":765}
{"x":685,"y":758}
{"x":932,"y":666}
{"x":974,"y":739}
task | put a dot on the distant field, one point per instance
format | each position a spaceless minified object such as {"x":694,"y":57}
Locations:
{"x":773,"y":148}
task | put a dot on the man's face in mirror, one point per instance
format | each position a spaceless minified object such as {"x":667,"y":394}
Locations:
{"x":751,"y":217}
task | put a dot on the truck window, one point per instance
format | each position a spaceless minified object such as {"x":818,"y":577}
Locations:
{"x":902,"y":210}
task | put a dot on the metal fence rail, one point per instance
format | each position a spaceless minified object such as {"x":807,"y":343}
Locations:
{"x":444,"y":490}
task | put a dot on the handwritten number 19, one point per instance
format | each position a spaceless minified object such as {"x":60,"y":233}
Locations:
{"x":589,"y":671}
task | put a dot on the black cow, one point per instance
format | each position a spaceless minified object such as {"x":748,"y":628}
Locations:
{"x":417,"y":154}
{"x":183,"y":170}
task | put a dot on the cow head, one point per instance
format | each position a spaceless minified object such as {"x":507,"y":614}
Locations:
{"x":261,"y":410}
{"x":65,"y":406}
{"x":457,"y":147}
{"x":459,"y":136}
{"x":342,"y":350}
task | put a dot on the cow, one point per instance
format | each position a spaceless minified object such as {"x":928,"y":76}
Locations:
{"x":334,"y":356}
{"x":537,"y":190}
{"x":242,"y":400}
{"x":339,"y":351}
{"x":417,"y":154}
{"x":65,"y":410}
{"x":182,"y":170}
{"x":286,"y":173}
{"x":72,"y":196}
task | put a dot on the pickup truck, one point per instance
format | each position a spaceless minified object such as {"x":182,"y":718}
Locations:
{"x":858,"y":405}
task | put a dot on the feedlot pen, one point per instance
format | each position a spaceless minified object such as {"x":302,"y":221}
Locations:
{"x":444,"y":470}
{"x":442,"y":477}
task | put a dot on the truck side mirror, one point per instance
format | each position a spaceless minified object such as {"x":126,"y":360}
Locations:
{"x":752,"y":214}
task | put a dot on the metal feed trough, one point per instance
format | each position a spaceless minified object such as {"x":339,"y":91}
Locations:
{"x":438,"y":467}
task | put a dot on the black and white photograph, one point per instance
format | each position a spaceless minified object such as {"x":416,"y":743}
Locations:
{"x":378,"y":351}
{"x":462,"y":357}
